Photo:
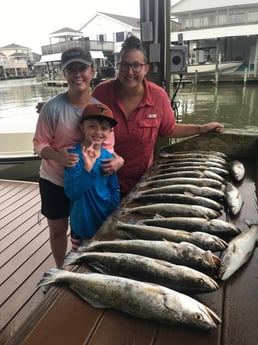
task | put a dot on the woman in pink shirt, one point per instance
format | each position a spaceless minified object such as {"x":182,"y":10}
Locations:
{"x":58,"y":130}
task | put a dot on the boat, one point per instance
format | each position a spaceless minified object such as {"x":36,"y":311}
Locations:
{"x":235,"y":302}
{"x":17,"y":158}
{"x":223,"y":67}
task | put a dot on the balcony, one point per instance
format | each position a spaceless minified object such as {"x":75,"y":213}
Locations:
{"x":58,"y":48}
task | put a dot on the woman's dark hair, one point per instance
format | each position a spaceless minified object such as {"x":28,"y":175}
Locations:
{"x":133,"y":42}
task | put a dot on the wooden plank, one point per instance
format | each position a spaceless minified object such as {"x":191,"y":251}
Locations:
{"x":24,"y":254}
{"x":69,"y":319}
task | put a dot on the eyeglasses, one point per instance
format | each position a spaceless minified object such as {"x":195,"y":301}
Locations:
{"x":76,"y":68}
{"x":135,"y":66}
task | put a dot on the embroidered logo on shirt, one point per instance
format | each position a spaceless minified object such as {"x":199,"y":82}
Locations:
{"x":152,"y":116}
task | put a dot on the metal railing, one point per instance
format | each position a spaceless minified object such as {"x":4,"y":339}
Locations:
{"x":83,"y":43}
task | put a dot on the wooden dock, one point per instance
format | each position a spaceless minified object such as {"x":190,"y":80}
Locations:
{"x":29,"y":317}
{"x":24,"y":254}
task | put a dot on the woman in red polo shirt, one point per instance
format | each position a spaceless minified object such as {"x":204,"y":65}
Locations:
{"x":143,"y":112}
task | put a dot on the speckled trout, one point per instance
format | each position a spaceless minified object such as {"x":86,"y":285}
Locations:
{"x":183,"y":253}
{"x":233,"y":198}
{"x":238,"y":252}
{"x":166,"y":169}
{"x":140,"y":299}
{"x":201,"y":182}
{"x":142,"y":231}
{"x":171,"y":209}
{"x":211,"y":226}
{"x":177,"y":277}
{"x":237,"y":170}
{"x":207,"y":192}
{"x":178,"y":198}
{"x":188,"y":173}
{"x":193,"y":154}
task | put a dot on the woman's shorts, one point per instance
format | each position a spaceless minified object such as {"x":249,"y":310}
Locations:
{"x":54,"y":203}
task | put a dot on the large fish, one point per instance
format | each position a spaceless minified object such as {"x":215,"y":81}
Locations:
{"x":211,"y":226}
{"x":140,"y":299}
{"x":193,"y":154}
{"x":200,"y":167}
{"x":233,"y":198}
{"x":169,"y":210}
{"x":146,"y":232}
{"x":177,"y":277}
{"x":183,"y":198}
{"x":237,"y":170}
{"x":219,"y":162}
{"x":207,"y":192}
{"x":181,"y":163}
{"x":182,"y":253}
{"x":188,"y":173}
{"x":238,"y":252}
{"x":201,"y":182}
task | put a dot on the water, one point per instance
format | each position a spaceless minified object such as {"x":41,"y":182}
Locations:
{"x":233,"y":105}
{"x":18,"y":99}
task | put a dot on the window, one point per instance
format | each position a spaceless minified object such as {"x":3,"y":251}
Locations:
{"x":120,"y":36}
{"x":101,"y":37}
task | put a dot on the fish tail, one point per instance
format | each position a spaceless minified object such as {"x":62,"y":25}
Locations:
{"x":71,"y":258}
{"x":52,"y":276}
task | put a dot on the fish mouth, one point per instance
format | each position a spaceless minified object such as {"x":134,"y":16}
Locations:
{"x":212,"y":259}
{"x":213,"y":284}
{"x":214,"y":319}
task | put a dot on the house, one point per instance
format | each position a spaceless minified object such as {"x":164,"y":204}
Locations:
{"x":102,"y":34}
{"x":16,"y":61}
{"x":218,"y":31}
{"x":102,"y":27}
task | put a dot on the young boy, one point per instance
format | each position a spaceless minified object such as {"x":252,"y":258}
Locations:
{"x":93,"y":195}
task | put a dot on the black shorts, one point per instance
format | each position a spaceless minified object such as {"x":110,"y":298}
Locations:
{"x":54,"y":203}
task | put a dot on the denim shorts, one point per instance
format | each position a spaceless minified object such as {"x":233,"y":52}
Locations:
{"x":54,"y":203}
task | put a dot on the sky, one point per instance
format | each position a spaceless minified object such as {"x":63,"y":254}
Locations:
{"x":28,"y":23}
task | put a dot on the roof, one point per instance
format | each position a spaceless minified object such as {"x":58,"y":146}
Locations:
{"x":66,"y":30}
{"x":202,"y":5}
{"x":134,"y":22}
{"x":128,"y":21}
{"x":13,"y":46}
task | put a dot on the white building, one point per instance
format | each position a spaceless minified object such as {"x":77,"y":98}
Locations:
{"x":106,"y":27}
{"x":218,"y":30}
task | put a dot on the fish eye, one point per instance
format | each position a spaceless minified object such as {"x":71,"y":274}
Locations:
{"x":198,"y":316}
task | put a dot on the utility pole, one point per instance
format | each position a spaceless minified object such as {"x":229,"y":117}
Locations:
{"x":155,"y":37}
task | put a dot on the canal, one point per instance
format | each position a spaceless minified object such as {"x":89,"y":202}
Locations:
{"x":233,"y":105}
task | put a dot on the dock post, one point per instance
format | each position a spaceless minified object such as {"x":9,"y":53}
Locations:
{"x":245,"y":75}
{"x":216,"y":77}
{"x":195,"y":77}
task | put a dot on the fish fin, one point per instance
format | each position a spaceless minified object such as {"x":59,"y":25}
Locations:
{"x":49,"y":278}
{"x":100,"y":268}
{"x":84,"y":245}
{"x":189,"y":194}
{"x":250,"y":222}
{"x":71,"y":259}
{"x":234,"y":248}
{"x":133,"y":221}
{"x":158,"y":216}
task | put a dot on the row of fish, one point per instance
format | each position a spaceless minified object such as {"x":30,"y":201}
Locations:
{"x":151,"y":269}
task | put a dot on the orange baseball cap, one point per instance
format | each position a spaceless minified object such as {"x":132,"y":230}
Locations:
{"x":98,"y":110}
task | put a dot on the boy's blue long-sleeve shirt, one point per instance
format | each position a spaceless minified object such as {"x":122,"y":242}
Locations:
{"x":93,"y":196}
